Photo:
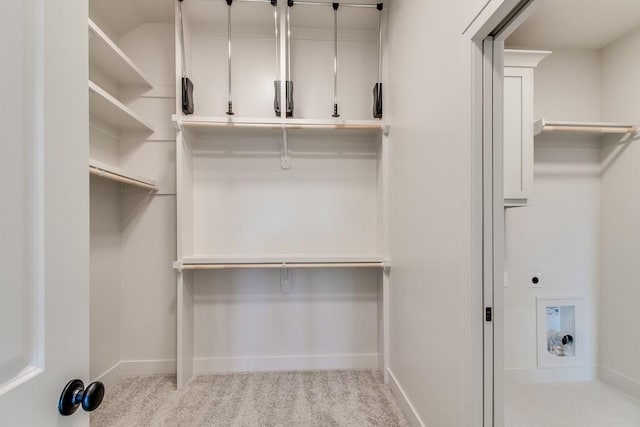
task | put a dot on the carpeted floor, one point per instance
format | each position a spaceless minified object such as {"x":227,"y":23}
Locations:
{"x":322,"y":398}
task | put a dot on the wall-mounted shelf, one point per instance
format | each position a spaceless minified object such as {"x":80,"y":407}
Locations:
{"x":113,"y":111}
{"x":280,"y":261}
{"x":115,"y":174}
{"x":204,"y":123}
{"x":110,"y":59}
{"x":579,"y":128}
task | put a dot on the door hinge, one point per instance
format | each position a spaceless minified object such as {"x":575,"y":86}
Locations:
{"x":488,"y":314}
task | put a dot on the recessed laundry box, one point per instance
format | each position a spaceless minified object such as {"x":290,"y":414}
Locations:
{"x":560,"y":337}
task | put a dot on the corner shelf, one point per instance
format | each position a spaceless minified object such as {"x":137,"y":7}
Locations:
{"x":110,"y":59}
{"x":115,"y":174}
{"x":581,"y":128}
{"x":281,"y":261}
{"x":113,"y":111}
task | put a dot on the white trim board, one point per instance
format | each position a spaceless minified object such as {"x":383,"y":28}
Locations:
{"x":111,"y":376}
{"x":619,"y":381}
{"x":214,"y":365}
{"x":404,"y":402}
{"x":130,"y":368}
{"x":550,"y":375}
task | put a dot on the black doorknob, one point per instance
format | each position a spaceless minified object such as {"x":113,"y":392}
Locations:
{"x":74,"y":395}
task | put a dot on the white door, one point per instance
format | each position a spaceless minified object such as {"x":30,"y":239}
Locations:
{"x":44,"y":229}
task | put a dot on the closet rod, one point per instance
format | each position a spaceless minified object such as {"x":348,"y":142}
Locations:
{"x":280,"y":266}
{"x":317,"y":3}
{"x":115,"y":177}
{"x":254,"y":1}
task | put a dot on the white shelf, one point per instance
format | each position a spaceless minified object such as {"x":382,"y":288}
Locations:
{"x":110,"y":172}
{"x":108,"y":57}
{"x":204,"y":123}
{"x":281,"y":261}
{"x":580,"y":128}
{"x":113,"y":111}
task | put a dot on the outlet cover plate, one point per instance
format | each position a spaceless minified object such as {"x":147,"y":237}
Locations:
{"x":535,"y":280}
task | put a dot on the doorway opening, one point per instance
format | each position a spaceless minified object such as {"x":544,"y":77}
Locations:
{"x":560,"y":147}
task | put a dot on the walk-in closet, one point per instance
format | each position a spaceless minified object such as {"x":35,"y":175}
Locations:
{"x":571,"y":243}
{"x":239,"y":190}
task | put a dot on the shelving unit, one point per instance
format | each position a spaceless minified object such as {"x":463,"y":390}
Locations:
{"x":108,"y":57}
{"x":203,"y":123}
{"x":581,"y":128}
{"x":109,"y":109}
{"x":239,"y":208}
{"x":116,"y":174}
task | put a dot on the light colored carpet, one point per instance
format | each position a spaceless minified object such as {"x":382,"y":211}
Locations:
{"x":321,"y":398}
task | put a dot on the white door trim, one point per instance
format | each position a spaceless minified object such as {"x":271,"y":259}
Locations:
{"x":486,"y":33}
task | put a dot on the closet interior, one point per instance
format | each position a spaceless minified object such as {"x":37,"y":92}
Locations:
{"x":571,"y":239}
{"x":237,"y":223}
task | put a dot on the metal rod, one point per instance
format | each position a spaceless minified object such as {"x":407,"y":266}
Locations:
{"x":254,"y":1}
{"x":288,"y":45}
{"x":335,"y":60}
{"x":380,"y":46}
{"x":230,"y":98}
{"x":283,"y":265}
{"x":184,"y":62}
{"x":275,"y":18}
{"x":317,"y":3}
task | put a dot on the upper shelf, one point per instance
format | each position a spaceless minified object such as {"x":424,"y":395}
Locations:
{"x":113,"y":111}
{"x":581,"y":128}
{"x":255,"y":14}
{"x":110,"y":172}
{"x":110,"y":59}
{"x":212,"y":123}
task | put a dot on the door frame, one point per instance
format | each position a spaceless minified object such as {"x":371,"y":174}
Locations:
{"x":486,"y":34}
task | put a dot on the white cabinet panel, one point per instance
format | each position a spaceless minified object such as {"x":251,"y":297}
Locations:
{"x":518,"y":124}
{"x":518,"y":135}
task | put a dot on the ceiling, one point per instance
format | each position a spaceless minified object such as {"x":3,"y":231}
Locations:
{"x":580,"y":24}
{"x":126,"y":15}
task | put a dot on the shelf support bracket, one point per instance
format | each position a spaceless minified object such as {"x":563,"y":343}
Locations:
{"x":285,"y":156}
{"x":177,"y":122}
{"x":177,"y":265}
{"x":386,"y":266}
{"x":285,"y":279}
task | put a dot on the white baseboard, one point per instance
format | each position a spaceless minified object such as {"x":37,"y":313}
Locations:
{"x":550,"y":375}
{"x":619,"y":381}
{"x":403,"y":402}
{"x":284,"y":363}
{"x":129,"y":368}
{"x":111,"y":376}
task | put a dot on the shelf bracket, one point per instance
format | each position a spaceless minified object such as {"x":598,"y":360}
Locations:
{"x":386,"y":266}
{"x":285,"y":156}
{"x":177,"y":265}
{"x":285,"y":279}
{"x":387,"y":130}
{"x":177,"y":122}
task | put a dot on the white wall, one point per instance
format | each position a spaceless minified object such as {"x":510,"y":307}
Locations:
{"x":106,"y":285}
{"x":620,"y":346}
{"x":244,"y":322}
{"x":430,"y":237}
{"x":133,"y":232}
{"x":149,"y":220}
{"x":557,"y":234}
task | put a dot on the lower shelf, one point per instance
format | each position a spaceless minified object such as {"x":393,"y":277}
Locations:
{"x":109,"y":172}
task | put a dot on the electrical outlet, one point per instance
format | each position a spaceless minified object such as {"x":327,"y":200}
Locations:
{"x":535,"y":280}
